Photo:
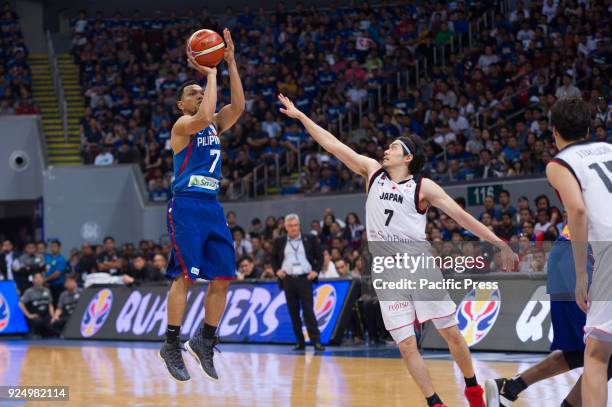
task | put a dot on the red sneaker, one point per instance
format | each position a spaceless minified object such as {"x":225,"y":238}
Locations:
{"x":474,"y":394}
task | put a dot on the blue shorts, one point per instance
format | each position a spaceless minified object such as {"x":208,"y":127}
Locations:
{"x":568,"y":326}
{"x":202,"y":244}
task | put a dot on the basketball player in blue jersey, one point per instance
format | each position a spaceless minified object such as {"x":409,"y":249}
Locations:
{"x":202,"y":245}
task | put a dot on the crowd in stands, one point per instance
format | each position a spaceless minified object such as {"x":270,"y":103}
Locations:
{"x":530,"y":228}
{"x":482,"y":114}
{"x":15,"y":76}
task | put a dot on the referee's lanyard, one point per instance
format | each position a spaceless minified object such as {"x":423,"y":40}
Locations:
{"x":296,"y":268}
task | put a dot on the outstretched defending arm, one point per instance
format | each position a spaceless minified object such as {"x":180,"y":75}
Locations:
{"x":230,"y":114}
{"x":435,"y":195}
{"x":359,"y":164}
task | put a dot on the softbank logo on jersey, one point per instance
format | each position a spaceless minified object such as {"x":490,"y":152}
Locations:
{"x":200,"y":181}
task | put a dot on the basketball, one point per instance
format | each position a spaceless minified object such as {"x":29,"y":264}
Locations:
{"x":206,"y":47}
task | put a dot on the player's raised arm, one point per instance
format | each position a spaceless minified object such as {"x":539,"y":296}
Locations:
{"x":359,"y":164}
{"x":232,"y":112}
{"x":571,"y":195}
{"x":436,"y":196}
{"x":189,"y":124}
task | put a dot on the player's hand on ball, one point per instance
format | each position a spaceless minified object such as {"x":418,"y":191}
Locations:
{"x":202,"y":69}
{"x":288,"y":107}
{"x":229,"y":46}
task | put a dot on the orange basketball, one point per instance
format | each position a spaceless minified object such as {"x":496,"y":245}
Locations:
{"x":206,"y":47}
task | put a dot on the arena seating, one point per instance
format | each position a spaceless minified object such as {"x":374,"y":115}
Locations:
{"x":15,"y":76}
{"x":486,"y":81}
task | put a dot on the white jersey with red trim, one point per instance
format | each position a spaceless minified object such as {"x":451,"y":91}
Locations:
{"x":591,"y":165}
{"x":392,"y":212}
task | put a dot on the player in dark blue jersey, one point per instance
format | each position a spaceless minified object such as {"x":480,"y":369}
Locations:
{"x":202,"y":245}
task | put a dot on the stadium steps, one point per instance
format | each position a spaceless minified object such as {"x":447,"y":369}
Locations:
{"x":67,"y":152}
{"x":60,"y":151}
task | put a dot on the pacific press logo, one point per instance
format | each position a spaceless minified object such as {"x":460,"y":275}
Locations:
{"x":96,"y":313}
{"x":477,"y":314}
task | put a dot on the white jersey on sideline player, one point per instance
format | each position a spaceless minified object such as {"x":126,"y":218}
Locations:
{"x":591,"y":164}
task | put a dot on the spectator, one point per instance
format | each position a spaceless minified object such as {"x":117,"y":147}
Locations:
{"x":505,"y":203}
{"x":36,"y":305}
{"x":66,"y":304}
{"x":87,"y":262}
{"x":343,"y":268}
{"x":109,"y":261}
{"x":140,"y":272}
{"x":353,"y":230}
{"x":7,"y":257}
{"x":328,"y":268}
{"x":242,"y":247}
{"x":26,"y":265}
{"x":41,"y":248}
{"x":538,"y":265}
{"x":567,"y":90}
{"x":505,"y":229}
{"x":247,"y":269}
{"x":257,"y":251}
{"x":543,"y":222}
{"x":56,"y":266}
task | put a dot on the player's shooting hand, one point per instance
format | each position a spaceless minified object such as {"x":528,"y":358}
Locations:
{"x":509,"y":258}
{"x":229,"y":46}
{"x":200,"y":68}
{"x":288,"y":108}
{"x":582,"y":297}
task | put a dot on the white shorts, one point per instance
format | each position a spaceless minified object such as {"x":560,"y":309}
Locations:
{"x":599,"y":321}
{"x":400,"y":316}
{"x":599,"y":318}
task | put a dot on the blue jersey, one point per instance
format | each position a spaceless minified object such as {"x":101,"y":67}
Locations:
{"x":197,"y":167}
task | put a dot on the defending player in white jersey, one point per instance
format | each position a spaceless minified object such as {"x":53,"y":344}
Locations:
{"x":582,"y":175}
{"x":397,"y":204}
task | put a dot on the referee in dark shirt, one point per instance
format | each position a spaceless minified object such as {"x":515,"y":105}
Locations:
{"x":297,"y":260}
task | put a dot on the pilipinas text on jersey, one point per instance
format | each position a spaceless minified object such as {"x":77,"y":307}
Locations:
{"x":392,"y":212}
{"x":197,"y":167}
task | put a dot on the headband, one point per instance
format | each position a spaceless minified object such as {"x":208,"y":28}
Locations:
{"x":404,"y":146}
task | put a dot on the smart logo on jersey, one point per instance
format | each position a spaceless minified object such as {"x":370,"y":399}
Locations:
{"x":5,"y":313}
{"x":325,"y":299}
{"x":96,"y":313}
{"x":477,"y":314}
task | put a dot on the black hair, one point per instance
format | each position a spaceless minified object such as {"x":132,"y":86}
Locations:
{"x":181,"y":88}
{"x":571,"y":117}
{"x":247,"y":258}
{"x":108,"y":238}
{"x":418,"y":154}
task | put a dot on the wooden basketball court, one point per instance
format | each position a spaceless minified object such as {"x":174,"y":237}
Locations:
{"x":120,"y":374}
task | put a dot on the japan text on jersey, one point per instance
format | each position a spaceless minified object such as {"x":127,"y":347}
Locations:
{"x":392,"y":210}
{"x":197,"y":168}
